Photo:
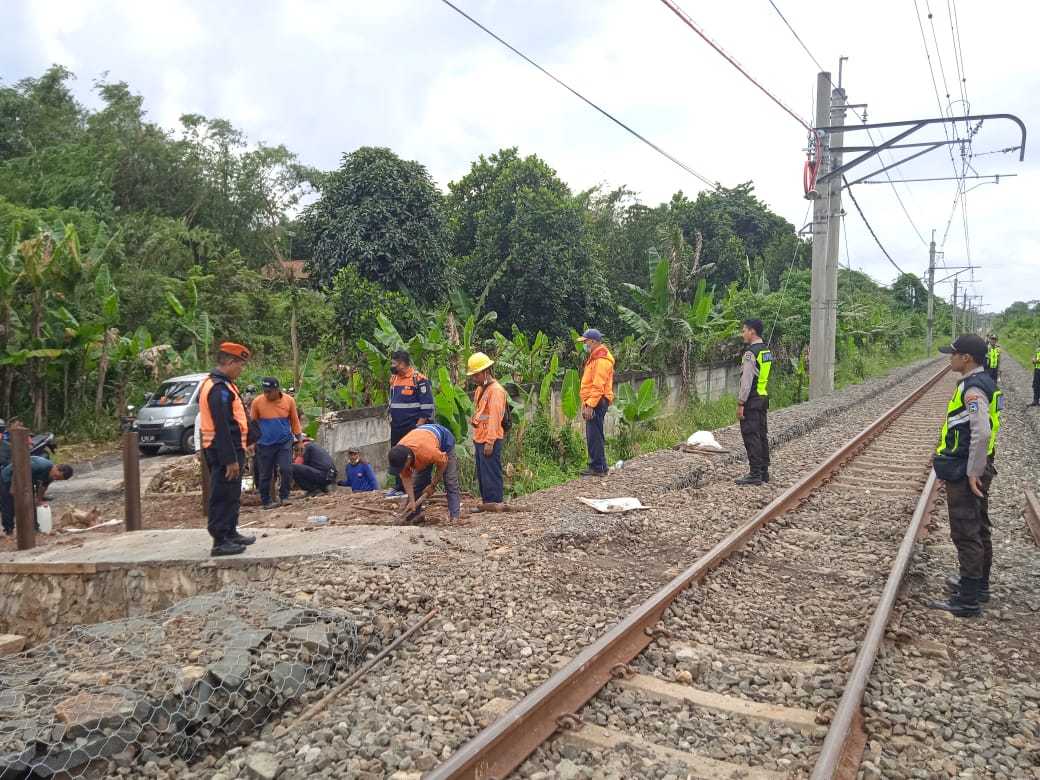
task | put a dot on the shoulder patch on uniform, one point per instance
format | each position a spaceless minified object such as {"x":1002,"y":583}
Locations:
{"x":424,"y":387}
{"x":973,"y":405}
{"x":766,"y":355}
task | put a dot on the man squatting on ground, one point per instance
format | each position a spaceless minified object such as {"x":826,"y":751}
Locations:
{"x":224,"y":428}
{"x":964,"y":461}
{"x":411,"y":403}
{"x":414,"y":459}
{"x":280,"y":429}
{"x":316,"y":471}
{"x":753,"y":403}
{"x":490,"y":418}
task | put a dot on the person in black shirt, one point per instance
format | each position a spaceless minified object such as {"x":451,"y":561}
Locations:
{"x":317,"y":472}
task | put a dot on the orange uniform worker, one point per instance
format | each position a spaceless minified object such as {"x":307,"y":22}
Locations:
{"x":224,"y":428}
{"x":279,"y":422}
{"x":490,"y":420}
{"x":597,"y":393}
{"x":414,"y":458}
{"x":410,"y":402}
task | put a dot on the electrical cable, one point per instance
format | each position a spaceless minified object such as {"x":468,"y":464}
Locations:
{"x":871,"y":229}
{"x":685,"y":17}
{"x":577,"y":94}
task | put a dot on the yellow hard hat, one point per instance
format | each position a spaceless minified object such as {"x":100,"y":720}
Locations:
{"x":477,"y":362}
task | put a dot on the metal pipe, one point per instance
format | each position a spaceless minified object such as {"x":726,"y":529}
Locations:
{"x":499,"y":749}
{"x":131,"y":481}
{"x":22,"y":488}
{"x":841,"y":733}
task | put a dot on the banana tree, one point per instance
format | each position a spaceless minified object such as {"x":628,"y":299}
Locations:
{"x":194,"y":321}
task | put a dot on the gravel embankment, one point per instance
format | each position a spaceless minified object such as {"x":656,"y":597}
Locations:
{"x":514,"y":593}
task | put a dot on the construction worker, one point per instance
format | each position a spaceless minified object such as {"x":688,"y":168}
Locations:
{"x":315,"y":470}
{"x":1036,"y":378}
{"x":358,"y":474}
{"x":43,"y":472}
{"x":224,"y":428}
{"x":993,"y":358}
{"x":280,"y":431}
{"x":489,"y":421}
{"x":597,"y":394}
{"x":413,"y":459}
{"x":411,"y":403}
{"x":753,"y":402}
{"x":964,"y":460}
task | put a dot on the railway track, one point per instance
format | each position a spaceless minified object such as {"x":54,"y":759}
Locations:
{"x":772,"y":653}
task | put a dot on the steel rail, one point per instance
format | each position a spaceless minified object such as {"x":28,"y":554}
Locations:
{"x":843,"y":745}
{"x":1031,"y":512}
{"x":501,"y":747}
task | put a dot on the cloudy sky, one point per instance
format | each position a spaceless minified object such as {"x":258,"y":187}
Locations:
{"x":326,"y":77}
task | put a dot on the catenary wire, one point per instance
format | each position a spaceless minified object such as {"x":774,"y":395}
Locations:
{"x":863,"y":216}
{"x":577,"y":94}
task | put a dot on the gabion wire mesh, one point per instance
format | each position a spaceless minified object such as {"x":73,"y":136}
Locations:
{"x":181,"y":683}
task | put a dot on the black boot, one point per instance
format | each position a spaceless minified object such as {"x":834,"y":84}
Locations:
{"x":965,"y":602}
{"x":227,"y":547}
{"x":238,"y":538}
{"x":953,"y":585}
{"x":751,"y":478}
{"x":765,"y":476}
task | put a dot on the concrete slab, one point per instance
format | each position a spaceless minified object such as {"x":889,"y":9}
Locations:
{"x":360,"y":543}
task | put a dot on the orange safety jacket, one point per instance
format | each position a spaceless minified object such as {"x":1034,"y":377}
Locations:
{"x":491,"y":405}
{"x":597,"y":379}
{"x":219,"y":440}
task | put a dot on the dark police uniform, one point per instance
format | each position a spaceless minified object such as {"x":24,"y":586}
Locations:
{"x":411,"y":400}
{"x":993,"y":362}
{"x":967,"y":445}
{"x":1036,"y":378}
{"x":754,"y":395}
{"x":224,"y":429}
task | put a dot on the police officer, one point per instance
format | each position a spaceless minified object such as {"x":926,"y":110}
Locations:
{"x":753,"y":402}
{"x":1036,"y":378}
{"x":993,"y":358}
{"x":224,"y":428}
{"x":964,"y":460}
{"x":411,"y":403}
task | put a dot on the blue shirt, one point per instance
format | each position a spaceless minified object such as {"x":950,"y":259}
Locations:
{"x":40,"y":467}
{"x":360,"y":477}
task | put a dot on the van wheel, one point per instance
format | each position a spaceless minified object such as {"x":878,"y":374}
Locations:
{"x":188,"y":441}
{"x":149,"y":449}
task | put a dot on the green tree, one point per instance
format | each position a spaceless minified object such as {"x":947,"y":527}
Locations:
{"x":383,"y":215}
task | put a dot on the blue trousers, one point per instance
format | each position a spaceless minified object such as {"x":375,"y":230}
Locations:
{"x":489,"y":474}
{"x":268,"y":458}
{"x":596,"y":438}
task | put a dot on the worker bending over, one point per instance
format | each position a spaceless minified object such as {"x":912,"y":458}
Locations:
{"x":964,"y":461}
{"x":753,"y":402}
{"x":411,"y":403}
{"x":490,"y":420}
{"x":428,"y":447}
{"x":42,"y":472}
{"x":316,"y":471}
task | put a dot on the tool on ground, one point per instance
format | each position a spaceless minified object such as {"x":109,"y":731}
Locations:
{"x":403,"y":514}
{"x":339,"y":689}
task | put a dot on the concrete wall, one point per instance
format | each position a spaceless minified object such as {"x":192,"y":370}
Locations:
{"x":369,"y":430}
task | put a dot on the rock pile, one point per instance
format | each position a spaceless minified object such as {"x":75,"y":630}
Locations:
{"x":183,"y":475}
{"x":180,"y":684}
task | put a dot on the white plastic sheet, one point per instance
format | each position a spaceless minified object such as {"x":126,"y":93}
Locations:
{"x":613,"y":505}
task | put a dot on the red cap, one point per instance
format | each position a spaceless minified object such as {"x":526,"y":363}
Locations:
{"x":235,"y":350}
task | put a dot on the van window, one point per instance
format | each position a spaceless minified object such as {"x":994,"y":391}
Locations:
{"x":174,"y":394}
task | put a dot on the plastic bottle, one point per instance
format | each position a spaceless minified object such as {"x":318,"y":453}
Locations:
{"x":44,"y":519}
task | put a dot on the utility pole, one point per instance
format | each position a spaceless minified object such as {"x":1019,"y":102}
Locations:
{"x":837,"y":117}
{"x":953,"y":312}
{"x":964,"y":308}
{"x":931,"y":295}
{"x":821,"y":351}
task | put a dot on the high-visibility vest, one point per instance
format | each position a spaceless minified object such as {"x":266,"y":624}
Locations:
{"x":763,"y":366}
{"x":993,"y":357}
{"x":1036,"y":359}
{"x":955,"y":435}
{"x":238,"y":410}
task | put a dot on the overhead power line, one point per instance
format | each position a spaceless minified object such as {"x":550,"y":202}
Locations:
{"x":685,"y":17}
{"x":577,"y":94}
{"x":871,"y":229}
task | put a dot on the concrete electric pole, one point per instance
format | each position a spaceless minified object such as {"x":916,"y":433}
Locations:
{"x":953,"y":312}
{"x":837,"y":117}
{"x":931,"y":296}
{"x":821,"y":350}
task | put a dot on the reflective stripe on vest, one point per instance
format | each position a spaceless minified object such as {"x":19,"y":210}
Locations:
{"x":955,"y":435}
{"x":238,"y":410}
{"x":763,"y":365}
